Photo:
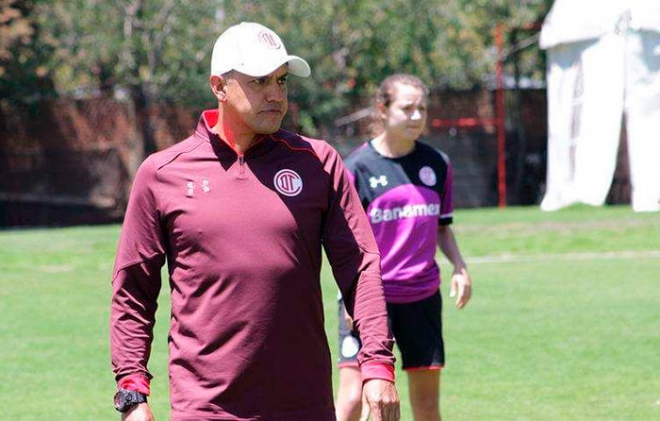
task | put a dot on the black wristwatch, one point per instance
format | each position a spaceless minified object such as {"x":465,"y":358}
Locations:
{"x":125,"y":399}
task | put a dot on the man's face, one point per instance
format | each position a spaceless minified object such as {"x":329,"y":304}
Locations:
{"x":257,"y":105}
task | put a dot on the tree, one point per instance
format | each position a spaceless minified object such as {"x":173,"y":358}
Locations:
{"x":353,"y":45}
{"x":160,"y":49}
{"x":22,"y":73}
{"x":146,"y":50}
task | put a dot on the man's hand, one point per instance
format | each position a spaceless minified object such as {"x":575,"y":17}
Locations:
{"x":461,"y":285}
{"x":140,"y":412}
{"x":383,"y":400}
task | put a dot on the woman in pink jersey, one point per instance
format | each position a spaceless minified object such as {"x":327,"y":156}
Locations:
{"x":405,"y":187}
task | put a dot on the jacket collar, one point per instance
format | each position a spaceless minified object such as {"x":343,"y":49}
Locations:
{"x":208,"y":120}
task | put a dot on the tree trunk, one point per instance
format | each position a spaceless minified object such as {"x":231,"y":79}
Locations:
{"x":142,"y":105}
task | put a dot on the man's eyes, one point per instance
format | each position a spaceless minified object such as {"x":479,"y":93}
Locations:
{"x":263,"y":81}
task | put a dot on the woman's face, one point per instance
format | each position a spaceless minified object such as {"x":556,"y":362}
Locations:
{"x":405,"y":117}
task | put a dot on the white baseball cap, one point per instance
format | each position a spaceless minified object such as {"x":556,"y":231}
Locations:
{"x":254,"y":50}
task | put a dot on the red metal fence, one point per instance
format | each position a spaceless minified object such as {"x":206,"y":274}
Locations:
{"x":71,"y":162}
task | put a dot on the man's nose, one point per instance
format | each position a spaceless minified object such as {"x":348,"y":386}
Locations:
{"x":277,"y":93}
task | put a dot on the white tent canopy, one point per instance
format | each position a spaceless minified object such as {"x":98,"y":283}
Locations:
{"x":583,"y":20}
{"x":603,"y":64}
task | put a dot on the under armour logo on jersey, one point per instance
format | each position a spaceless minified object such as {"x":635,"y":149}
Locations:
{"x":190,"y":186}
{"x":374,"y":182}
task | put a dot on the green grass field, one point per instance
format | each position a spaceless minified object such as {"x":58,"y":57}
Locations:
{"x":564,"y":323}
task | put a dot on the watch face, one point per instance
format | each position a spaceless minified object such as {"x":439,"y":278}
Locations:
{"x":124,"y":399}
{"x":120,"y":401}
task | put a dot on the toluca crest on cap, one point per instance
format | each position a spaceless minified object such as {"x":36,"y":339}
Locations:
{"x":254,"y":50}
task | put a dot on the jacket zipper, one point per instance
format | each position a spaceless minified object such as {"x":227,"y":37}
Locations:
{"x":241,"y":164}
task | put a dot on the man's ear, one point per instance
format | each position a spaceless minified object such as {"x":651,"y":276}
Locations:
{"x":218,"y":86}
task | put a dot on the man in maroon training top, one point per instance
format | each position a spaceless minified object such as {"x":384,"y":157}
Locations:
{"x":240,"y":211}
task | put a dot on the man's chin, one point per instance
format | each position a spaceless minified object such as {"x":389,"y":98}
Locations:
{"x":268,"y":131}
{"x":269,"y":128}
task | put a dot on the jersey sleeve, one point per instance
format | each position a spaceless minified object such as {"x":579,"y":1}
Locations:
{"x":353,"y":254}
{"x":447,"y":197}
{"x":136,"y":280}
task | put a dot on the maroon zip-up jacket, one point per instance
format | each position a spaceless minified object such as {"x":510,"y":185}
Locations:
{"x":242,"y":236}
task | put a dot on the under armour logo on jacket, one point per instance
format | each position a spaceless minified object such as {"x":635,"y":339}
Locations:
{"x":191,"y":187}
{"x":374,"y":182}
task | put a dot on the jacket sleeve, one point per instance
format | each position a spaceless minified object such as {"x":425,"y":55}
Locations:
{"x":136,"y":279}
{"x":353,"y":254}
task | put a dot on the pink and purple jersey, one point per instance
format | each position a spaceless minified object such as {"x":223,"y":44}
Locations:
{"x":405,"y":199}
{"x":243,"y":237}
